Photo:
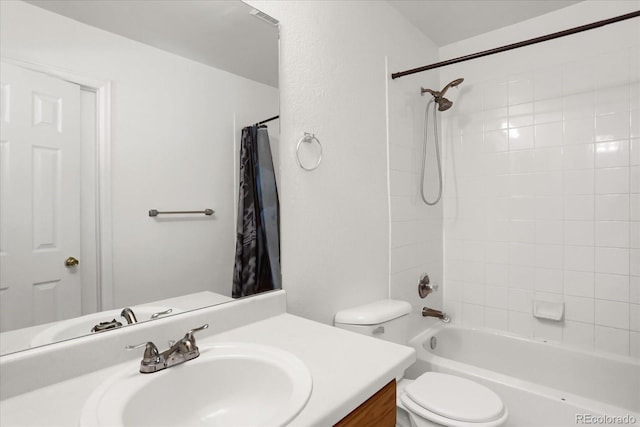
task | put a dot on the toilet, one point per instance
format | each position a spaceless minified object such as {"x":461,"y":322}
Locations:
{"x":434,"y":398}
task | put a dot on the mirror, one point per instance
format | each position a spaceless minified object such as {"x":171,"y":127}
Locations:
{"x":155,"y":94}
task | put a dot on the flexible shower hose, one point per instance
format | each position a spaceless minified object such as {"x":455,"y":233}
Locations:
{"x":424,"y":156}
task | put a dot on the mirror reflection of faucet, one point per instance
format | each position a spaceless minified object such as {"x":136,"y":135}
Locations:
{"x":129,"y":315}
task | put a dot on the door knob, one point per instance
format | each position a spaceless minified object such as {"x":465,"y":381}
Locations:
{"x":71,"y":262}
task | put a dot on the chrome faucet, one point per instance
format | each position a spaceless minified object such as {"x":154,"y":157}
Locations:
{"x":431,"y":312}
{"x":128,"y":314}
{"x":179,"y":352}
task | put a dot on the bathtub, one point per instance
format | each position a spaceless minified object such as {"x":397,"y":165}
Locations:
{"x":542,"y":384}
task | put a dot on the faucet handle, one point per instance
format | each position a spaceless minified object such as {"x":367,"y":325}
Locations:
{"x":161,"y":313}
{"x":151,"y":353}
{"x":194,"y":330}
{"x":425,"y":287}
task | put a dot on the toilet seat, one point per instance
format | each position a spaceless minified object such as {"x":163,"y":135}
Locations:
{"x":452,"y":401}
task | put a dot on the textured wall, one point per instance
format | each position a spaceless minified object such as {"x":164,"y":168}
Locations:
{"x":543,"y":177}
{"x":335,"y":220}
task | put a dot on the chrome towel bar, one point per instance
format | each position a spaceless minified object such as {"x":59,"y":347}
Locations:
{"x":154,"y":212}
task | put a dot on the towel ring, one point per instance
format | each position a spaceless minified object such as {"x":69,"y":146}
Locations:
{"x":308,"y":137}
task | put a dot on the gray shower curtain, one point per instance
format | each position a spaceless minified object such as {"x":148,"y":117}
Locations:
{"x":257,"y":263}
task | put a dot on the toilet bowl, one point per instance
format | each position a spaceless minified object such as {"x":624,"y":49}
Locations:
{"x":433,"y":399}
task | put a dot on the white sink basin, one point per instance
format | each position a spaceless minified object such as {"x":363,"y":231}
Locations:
{"x":80,"y":326}
{"x":234,"y":384}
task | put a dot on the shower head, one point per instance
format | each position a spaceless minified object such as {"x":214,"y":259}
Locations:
{"x":438,"y":96}
{"x":444,"y":104}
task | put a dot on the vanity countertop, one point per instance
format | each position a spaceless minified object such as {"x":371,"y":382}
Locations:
{"x":346,"y":368}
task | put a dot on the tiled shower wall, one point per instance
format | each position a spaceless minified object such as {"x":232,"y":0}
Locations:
{"x":416,"y":229}
{"x":543,"y":189}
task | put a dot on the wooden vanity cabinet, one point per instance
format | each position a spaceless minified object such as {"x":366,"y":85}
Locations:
{"x":379,"y":410}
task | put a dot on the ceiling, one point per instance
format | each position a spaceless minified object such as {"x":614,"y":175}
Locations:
{"x":223,"y":34}
{"x":220,"y":33}
{"x":449,"y":21}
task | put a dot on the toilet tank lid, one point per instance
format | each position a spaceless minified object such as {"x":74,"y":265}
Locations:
{"x":374,"y":313}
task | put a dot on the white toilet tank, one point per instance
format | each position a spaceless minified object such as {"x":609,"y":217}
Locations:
{"x":386,"y":319}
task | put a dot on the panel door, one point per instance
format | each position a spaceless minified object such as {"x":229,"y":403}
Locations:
{"x":39,"y":198}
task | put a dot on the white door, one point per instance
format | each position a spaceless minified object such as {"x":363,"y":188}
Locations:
{"x":39,"y":198}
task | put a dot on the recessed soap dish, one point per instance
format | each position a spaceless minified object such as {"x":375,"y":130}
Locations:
{"x":548,"y":310}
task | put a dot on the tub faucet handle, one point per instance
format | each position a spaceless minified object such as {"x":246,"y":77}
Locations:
{"x":425,"y":287}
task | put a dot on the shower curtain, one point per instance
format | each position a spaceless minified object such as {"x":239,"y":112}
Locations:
{"x":257,"y":263}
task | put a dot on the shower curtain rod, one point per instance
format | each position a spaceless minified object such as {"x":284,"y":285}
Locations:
{"x":268,"y":120}
{"x":519,"y":44}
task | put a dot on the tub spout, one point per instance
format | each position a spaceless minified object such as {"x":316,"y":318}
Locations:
{"x":430,"y":312}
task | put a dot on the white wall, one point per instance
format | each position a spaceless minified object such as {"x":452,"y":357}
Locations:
{"x":172,"y":149}
{"x":335,"y":220}
{"x":543,"y":180}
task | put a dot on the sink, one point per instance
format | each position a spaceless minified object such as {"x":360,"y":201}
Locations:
{"x":230,"y":384}
{"x":80,"y":326}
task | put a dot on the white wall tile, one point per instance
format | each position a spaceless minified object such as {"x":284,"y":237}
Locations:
{"x":633,"y":205}
{"x":634,"y":317}
{"x":634,"y":234}
{"x":579,"y":258}
{"x":549,"y":232}
{"x":546,"y":83}
{"x":521,"y":300}
{"x":579,"y":233}
{"x":521,"y":277}
{"x":497,"y":297}
{"x":612,"y":313}
{"x":473,"y":315}
{"x":521,"y":324}
{"x":548,"y":134}
{"x":521,"y":115}
{"x":613,"y":287}
{"x":496,"y":318}
{"x":548,"y":158}
{"x":496,"y":141}
{"x":548,"y":110}
{"x":634,"y":344}
{"x":634,"y":152}
{"x":579,"y":131}
{"x":579,"y":283}
{"x":579,"y":105}
{"x":612,"y":154}
{"x":579,"y":309}
{"x":578,"y":156}
{"x":634,"y":289}
{"x":549,"y":280}
{"x":495,"y":94}
{"x":612,"y":181}
{"x":612,"y":126}
{"x":612,"y":207}
{"x":561,"y":176}
{"x":520,"y":90}
{"x":612,"y":260}
{"x":634,"y":179}
{"x":522,"y":138}
{"x":579,"y":182}
{"x":612,"y":234}
{"x":634,"y":262}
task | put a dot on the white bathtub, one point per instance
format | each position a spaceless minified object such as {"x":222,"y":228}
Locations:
{"x":542,"y":384}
